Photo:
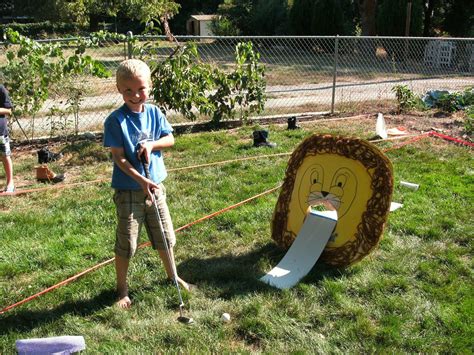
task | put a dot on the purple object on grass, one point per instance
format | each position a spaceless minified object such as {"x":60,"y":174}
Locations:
{"x":67,"y":344}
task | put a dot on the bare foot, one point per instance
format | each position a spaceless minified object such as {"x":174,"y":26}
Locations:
{"x":186,"y":285}
{"x":124,"y":302}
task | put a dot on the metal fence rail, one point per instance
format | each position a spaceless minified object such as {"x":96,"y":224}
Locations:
{"x":303,"y":74}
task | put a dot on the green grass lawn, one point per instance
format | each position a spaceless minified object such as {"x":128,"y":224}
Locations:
{"x":413,"y":293}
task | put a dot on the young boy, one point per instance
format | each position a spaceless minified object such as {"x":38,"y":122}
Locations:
{"x":5,"y":152}
{"x":133,"y":130}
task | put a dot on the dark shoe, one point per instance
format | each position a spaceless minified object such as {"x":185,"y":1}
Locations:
{"x":46,"y":156}
{"x":292,"y":123}
{"x":260,"y":139}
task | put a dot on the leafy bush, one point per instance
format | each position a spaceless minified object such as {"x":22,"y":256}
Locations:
{"x":34,"y":68}
{"x":449,"y":102}
{"x":184,"y":84}
{"x":469,"y":120}
{"x":407,"y":100}
{"x":455,"y":101}
{"x":46,"y":29}
{"x":223,"y":26}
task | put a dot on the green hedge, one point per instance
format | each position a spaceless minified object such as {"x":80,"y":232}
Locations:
{"x":41,"y":30}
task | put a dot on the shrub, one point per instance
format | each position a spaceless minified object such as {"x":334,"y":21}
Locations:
{"x":187,"y":85}
{"x":407,"y":100}
{"x":455,"y":101}
{"x":44,"y":29}
{"x":469,"y":121}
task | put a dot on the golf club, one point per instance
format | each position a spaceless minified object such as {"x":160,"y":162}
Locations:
{"x":182,"y":318}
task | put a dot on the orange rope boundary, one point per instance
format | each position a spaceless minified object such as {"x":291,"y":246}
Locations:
{"x":64,"y":186}
{"x":414,"y":139}
{"x":72,"y":278}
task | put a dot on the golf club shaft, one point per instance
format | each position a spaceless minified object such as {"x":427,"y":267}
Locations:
{"x":162,"y":232}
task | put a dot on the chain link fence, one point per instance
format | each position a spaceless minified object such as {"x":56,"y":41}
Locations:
{"x":303,"y":75}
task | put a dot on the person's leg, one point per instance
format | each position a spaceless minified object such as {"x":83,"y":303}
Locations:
{"x":157,"y":239}
{"x":170,"y":267}
{"x":130,"y":217}
{"x":121,"y":269}
{"x":8,"y":165}
{"x":5,"y":154}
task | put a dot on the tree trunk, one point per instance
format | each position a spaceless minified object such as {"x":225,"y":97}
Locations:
{"x":166,"y":26}
{"x":367,"y":9}
{"x":93,"y":23}
{"x":429,"y":7}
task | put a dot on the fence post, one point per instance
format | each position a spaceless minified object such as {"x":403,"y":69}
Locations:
{"x":129,"y":45}
{"x":334,"y":73}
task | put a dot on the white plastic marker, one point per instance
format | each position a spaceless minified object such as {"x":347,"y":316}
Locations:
{"x":305,"y":250}
{"x":380,"y":127}
{"x":410,"y":185}
{"x":395,"y":206}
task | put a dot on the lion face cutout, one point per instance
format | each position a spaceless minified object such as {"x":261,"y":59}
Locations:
{"x":346,"y":174}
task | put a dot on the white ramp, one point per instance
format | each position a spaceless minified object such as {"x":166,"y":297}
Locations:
{"x":305,"y":250}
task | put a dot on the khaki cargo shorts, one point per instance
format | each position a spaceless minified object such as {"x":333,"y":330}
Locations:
{"x":133,"y":212}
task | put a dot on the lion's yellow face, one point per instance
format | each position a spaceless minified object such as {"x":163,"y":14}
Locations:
{"x":331,"y":180}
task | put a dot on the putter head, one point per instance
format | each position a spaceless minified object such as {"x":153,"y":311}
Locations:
{"x":183,"y":319}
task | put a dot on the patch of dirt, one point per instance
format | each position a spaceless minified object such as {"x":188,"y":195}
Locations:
{"x":449,"y":124}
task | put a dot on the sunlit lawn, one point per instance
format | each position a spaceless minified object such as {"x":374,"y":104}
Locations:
{"x":413,"y":294}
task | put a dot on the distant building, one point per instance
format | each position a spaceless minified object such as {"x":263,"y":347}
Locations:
{"x":200,"y":25}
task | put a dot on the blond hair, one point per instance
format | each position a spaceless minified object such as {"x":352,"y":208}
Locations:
{"x":132,"y":68}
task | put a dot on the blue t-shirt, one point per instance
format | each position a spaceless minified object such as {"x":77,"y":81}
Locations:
{"x":4,"y":103}
{"x":126,"y":129}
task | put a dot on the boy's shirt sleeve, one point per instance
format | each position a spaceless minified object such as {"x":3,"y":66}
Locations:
{"x":5,"y":101}
{"x":164,"y":125}
{"x":113,"y":136}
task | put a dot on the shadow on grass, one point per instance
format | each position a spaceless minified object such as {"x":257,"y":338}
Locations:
{"x":234,"y":275}
{"x":229,"y":275}
{"x":23,"y":321}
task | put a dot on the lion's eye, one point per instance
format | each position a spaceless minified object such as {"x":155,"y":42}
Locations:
{"x":341,"y":180}
{"x":317,"y":175}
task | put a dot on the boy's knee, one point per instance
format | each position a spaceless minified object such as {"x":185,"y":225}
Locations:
{"x":125,"y":245}
{"x":124,"y":253}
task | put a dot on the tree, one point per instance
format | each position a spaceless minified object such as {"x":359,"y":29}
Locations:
{"x":236,"y":14}
{"x":270,"y":17}
{"x":300,"y":22}
{"x":392,"y":15}
{"x":429,"y":8}
{"x":459,"y":20}
{"x":192,"y":7}
{"x":87,"y":12}
{"x":33,"y":69}
{"x":391,"y":21}
{"x":367,"y":12}
{"x":332,"y":17}
{"x":187,"y":85}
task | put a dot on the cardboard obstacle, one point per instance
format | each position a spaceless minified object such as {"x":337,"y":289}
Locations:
{"x":305,"y":250}
{"x":348,"y":175}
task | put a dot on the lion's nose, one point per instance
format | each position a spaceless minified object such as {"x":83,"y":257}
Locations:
{"x":324,"y":193}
